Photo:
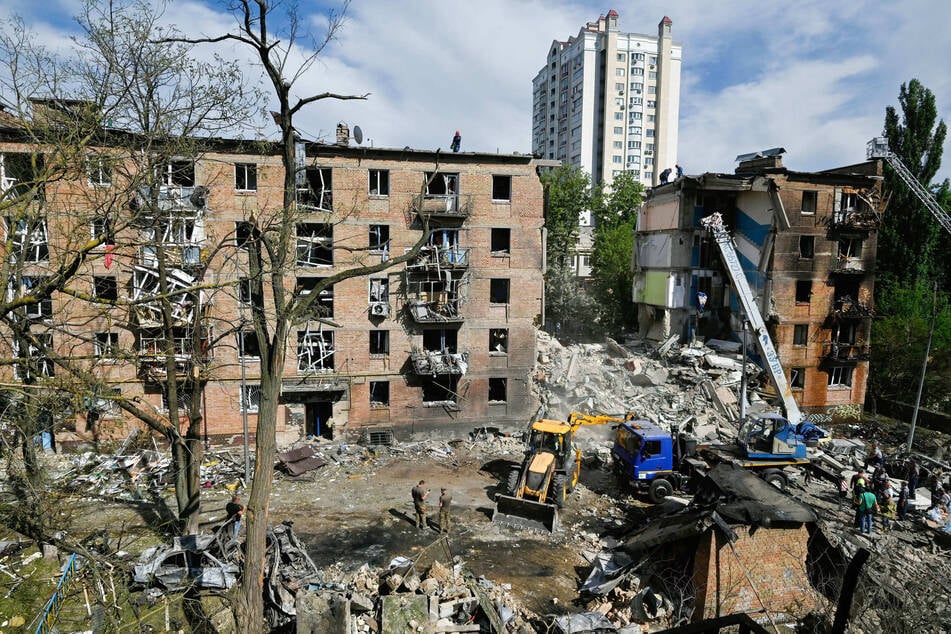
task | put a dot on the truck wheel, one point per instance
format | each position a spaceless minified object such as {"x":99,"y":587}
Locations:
{"x":512,"y":482}
{"x":775,"y":477}
{"x":558,"y":491}
{"x":660,"y":488}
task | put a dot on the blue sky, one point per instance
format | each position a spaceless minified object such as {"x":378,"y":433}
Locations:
{"x":813,"y":77}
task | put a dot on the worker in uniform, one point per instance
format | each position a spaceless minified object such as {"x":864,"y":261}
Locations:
{"x":420,"y":493}
{"x":445,"y":500}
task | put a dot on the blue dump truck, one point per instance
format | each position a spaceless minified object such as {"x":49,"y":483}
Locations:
{"x":658,"y":462}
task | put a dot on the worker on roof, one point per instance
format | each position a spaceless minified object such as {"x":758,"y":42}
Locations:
{"x":456,"y":144}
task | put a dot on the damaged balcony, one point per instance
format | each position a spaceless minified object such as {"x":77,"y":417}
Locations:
{"x":443,"y":206}
{"x":848,"y":266}
{"x":846,"y":308}
{"x":432,"y":299}
{"x":441,"y":362}
{"x":438,"y":258}
{"x":836,"y":353}
{"x":147,"y":311}
{"x":152,"y":353}
{"x":174,"y":221}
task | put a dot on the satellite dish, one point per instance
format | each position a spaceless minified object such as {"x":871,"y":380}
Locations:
{"x":357,"y":134}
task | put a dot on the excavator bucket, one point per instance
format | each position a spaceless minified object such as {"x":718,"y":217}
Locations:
{"x":525,"y":514}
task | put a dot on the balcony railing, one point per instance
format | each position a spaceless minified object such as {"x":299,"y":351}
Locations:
{"x":861,"y":219}
{"x":450,"y":206}
{"x":434,"y":312}
{"x":433,"y":362}
{"x":845,"y":307}
{"x":845,"y":352}
{"x":848,"y":266}
{"x":435,"y":258}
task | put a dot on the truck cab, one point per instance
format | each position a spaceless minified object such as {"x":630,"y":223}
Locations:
{"x":647,"y":456}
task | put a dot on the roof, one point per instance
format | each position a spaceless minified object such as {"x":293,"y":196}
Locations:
{"x":774,"y":151}
{"x":742,"y":497}
{"x":646,"y":429}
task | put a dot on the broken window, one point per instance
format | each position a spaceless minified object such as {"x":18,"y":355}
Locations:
{"x":379,"y":237}
{"x":797,"y":378}
{"x":441,"y":388}
{"x":499,"y":291}
{"x":30,"y":239}
{"x":248,"y":344}
{"x":244,"y":290}
{"x":324,"y":305}
{"x":242,"y":234}
{"x":379,"y":183}
{"x":100,"y":228}
{"x":498,"y":340}
{"x":246,"y":177}
{"x":379,"y":289}
{"x":807,"y":247}
{"x":379,"y":342}
{"x":840,"y":376}
{"x":850,"y":248}
{"x":501,"y":243}
{"x":442,"y":184}
{"x":317,"y":189}
{"x":849,"y":201}
{"x":379,"y":394}
{"x":803,"y":291}
{"x":99,"y":170}
{"x":105,"y":288}
{"x":19,"y":177}
{"x":250,"y":398}
{"x":800,"y":334}
{"x":846,"y":290}
{"x":497,"y":390}
{"x":315,"y":350}
{"x":440,"y":340}
{"x":35,"y":362}
{"x":501,"y":187}
{"x":107,"y":344}
{"x":43,"y":308}
{"x":145,"y":284}
{"x":179,"y":173}
{"x":152,"y":342}
{"x":315,"y":244}
{"x":809,"y":200}
{"x":844,"y":333}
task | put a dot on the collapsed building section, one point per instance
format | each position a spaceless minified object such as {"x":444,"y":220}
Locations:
{"x":806,"y":244}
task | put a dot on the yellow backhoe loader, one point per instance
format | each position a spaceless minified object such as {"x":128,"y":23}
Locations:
{"x":548,"y":473}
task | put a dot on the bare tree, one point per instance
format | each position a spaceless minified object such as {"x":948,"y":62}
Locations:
{"x":103,"y":180}
{"x":271,"y":247}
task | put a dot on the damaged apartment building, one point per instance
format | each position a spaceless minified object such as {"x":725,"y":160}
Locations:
{"x":806,"y":242}
{"x":447,"y":338}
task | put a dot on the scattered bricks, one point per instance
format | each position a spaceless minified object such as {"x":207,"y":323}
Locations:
{"x":360,"y":603}
{"x":429,"y":587}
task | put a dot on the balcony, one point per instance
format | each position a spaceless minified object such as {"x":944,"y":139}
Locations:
{"x":848,"y":266}
{"x":847,"y":308}
{"x":844,"y":353}
{"x":443,"y":206}
{"x":168,"y":199}
{"x":437,"y":258}
{"x":434,"y":362}
{"x":863,"y":220}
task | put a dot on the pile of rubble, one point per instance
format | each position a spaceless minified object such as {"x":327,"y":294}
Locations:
{"x":412,"y":596}
{"x":694,"y":387}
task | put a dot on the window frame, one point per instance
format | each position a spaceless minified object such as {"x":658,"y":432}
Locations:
{"x":496,"y":238}
{"x":813,"y":196}
{"x":250,"y":173}
{"x":250,"y":396}
{"x":498,"y":342}
{"x":382,"y":340}
{"x":496,"y":285}
{"x":496,"y":383}
{"x":836,"y":376}
{"x":798,"y":296}
{"x":807,"y":247}
{"x":106,"y":344}
{"x":382,"y":184}
{"x":99,"y":165}
{"x":797,"y":378}
{"x":100,"y":283}
{"x":800,"y":335}
{"x":374,"y":390}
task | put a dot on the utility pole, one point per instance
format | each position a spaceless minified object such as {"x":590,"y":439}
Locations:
{"x":245,"y":397}
{"x":924,"y":368}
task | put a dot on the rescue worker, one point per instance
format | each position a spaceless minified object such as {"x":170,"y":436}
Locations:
{"x":445,"y":500}
{"x":456,"y":144}
{"x":420,"y":495}
{"x":235,"y":510}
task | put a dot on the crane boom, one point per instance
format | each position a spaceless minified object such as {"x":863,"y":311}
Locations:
{"x":774,"y":368}
{"x":878,"y":148}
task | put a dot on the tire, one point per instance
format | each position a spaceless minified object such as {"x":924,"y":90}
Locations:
{"x":512,"y":482}
{"x":775,"y":477}
{"x":558,"y":489}
{"x":660,"y":489}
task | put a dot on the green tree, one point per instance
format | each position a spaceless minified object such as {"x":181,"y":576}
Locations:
{"x":567,"y":196}
{"x":909,"y":234}
{"x":900,"y":334}
{"x":615,"y":221}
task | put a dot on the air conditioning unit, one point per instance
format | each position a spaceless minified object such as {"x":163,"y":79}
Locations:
{"x":379,"y":309}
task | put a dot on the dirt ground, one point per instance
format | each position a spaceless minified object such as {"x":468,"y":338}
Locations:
{"x":360,"y":511}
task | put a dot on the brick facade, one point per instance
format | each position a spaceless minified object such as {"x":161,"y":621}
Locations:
{"x":311,"y":397}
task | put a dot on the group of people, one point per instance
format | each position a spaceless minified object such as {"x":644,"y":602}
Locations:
{"x":876,"y":495}
{"x":420,"y":497}
{"x":665,"y":174}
